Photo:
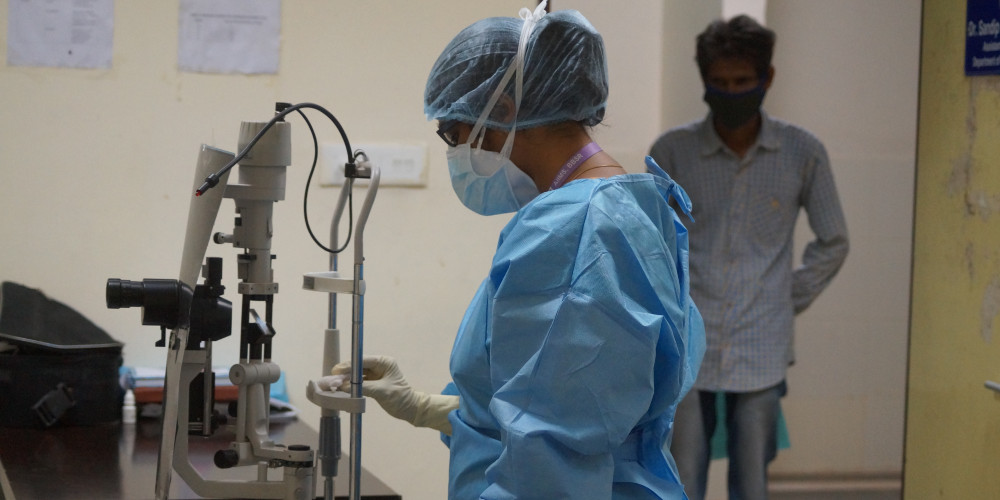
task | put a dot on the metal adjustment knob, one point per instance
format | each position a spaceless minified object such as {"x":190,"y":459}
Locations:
{"x":225,"y":459}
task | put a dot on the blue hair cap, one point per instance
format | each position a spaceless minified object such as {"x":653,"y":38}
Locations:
{"x":565,"y":72}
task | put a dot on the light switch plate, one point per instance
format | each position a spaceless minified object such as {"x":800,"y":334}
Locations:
{"x":400,"y":164}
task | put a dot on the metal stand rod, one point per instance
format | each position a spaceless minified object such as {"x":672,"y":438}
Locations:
{"x":357,"y":359}
{"x":331,"y":282}
{"x":329,"y":445}
{"x":357,"y":338}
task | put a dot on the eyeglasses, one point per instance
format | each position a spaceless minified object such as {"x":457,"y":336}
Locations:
{"x":446,"y":131}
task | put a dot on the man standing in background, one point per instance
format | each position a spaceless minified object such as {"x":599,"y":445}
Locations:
{"x":747,"y":174}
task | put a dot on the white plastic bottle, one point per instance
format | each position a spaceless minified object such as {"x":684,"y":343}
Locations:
{"x":128,"y":408}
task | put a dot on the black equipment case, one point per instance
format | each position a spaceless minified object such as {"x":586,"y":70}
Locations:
{"x":56,"y":367}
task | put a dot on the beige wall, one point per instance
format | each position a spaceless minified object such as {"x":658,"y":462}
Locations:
{"x":96,"y":168}
{"x":847,"y":71}
{"x":953,"y":421}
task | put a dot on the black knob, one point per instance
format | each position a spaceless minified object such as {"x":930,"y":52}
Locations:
{"x":225,"y":459}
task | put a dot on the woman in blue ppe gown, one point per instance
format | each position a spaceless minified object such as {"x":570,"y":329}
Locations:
{"x":582,"y":339}
{"x":577,"y":348}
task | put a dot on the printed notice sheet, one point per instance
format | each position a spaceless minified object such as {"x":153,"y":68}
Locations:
{"x":60,"y":33}
{"x":229,"y":36}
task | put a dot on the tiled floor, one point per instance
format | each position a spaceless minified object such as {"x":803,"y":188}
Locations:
{"x":859,"y":495}
{"x":872,"y":486}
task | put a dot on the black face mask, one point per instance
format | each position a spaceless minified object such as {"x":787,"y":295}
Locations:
{"x":734,"y":110}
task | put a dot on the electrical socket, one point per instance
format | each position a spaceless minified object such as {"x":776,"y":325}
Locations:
{"x":400,"y":164}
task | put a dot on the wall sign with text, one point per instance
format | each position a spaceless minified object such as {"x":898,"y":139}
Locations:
{"x":982,"y":37}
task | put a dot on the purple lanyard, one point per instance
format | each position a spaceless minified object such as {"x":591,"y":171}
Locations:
{"x":573,"y":163}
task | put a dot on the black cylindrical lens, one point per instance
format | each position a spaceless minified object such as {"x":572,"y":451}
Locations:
{"x":162,"y":302}
{"x":123,"y":293}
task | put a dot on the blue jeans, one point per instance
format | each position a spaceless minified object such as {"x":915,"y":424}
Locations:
{"x":751,"y":425}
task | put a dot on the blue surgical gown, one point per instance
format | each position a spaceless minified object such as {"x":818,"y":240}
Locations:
{"x":577,"y":347}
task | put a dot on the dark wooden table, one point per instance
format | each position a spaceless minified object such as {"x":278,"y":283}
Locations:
{"x":112,"y":461}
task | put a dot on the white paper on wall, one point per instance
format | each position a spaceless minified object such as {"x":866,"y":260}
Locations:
{"x":229,"y":36}
{"x":60,"y":33}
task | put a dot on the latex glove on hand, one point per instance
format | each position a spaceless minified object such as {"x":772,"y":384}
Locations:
{"x":384,"y":382}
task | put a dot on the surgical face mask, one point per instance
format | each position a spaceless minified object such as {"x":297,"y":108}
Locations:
{"x":488,"y":183}
{"x":734,"y":109}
